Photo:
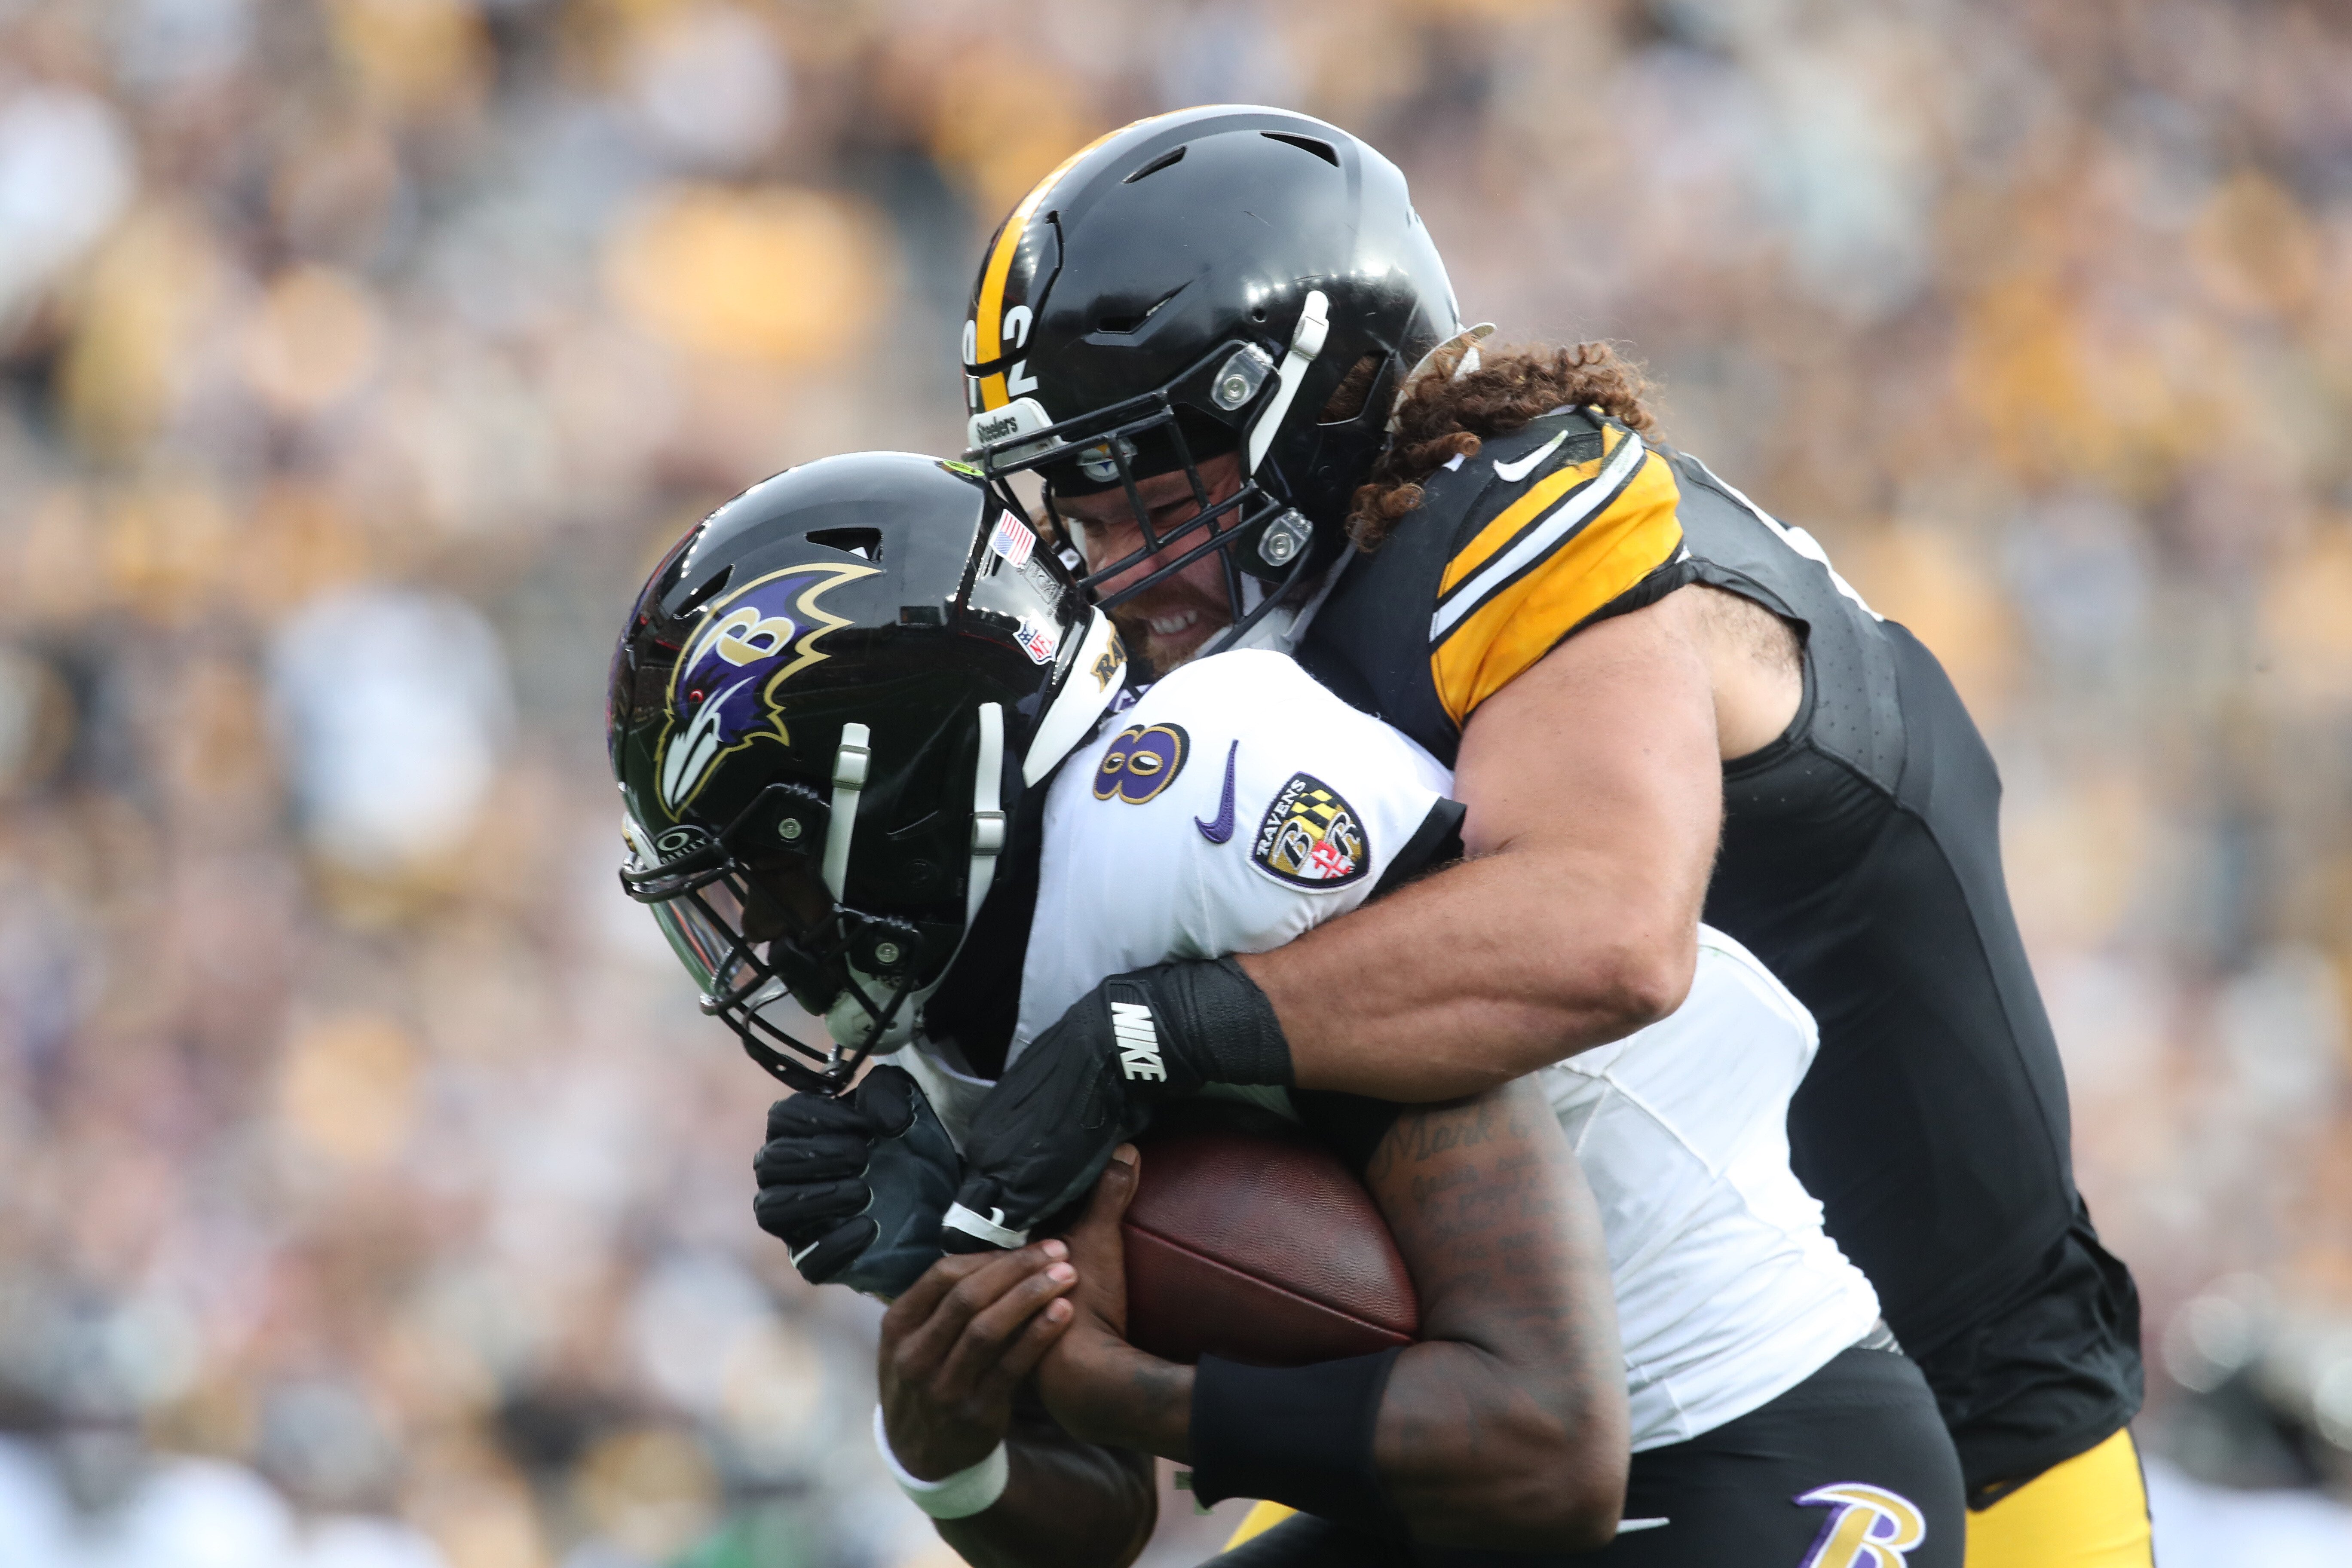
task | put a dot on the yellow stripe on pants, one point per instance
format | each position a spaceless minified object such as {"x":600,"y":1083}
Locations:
{"x":2090,"y":1511}
{"x":1261,"y":1517}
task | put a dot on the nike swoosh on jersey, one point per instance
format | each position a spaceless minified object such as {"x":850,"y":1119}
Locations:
{"x":1512,"y":473}
{"x":1217,"y":832}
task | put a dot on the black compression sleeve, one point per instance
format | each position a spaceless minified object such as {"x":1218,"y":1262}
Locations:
{"x":1214,"y":1017}
{"x":1300,"y":1436}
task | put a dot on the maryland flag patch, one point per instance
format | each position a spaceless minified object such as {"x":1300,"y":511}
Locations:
{"x":1310,"y":837}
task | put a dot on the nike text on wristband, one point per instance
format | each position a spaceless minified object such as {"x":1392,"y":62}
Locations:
{"x":987,"y":1226}
{"x":959,"y":1496}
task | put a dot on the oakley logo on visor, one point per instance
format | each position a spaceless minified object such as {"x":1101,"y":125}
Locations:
{"x":676,"y":841}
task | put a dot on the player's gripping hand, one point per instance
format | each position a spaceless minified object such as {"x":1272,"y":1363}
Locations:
{"x":855,"y":1185}
{"x":955,"y":1346}
{"x":1089,"y":1081}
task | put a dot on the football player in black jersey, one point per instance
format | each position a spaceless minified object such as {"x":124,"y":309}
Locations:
{"x":852,"y":714}
{"x":1225,"y":344}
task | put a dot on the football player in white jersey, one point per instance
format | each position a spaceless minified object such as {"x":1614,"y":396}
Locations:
{"x":1235,"y":806}
{"x":832,"y":715}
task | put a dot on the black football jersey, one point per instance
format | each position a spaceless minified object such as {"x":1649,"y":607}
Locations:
{"x":1860,"y":860}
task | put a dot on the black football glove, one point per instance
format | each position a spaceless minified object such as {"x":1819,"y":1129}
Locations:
{"x":1044,"y":1134}
{"x":855,"y":1185}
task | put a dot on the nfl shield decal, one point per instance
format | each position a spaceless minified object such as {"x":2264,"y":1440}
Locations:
{"x":1038,"y":640}
{"x":1311,"y":838}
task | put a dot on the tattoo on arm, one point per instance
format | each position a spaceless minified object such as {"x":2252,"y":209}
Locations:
{"x":1517,"y":1382}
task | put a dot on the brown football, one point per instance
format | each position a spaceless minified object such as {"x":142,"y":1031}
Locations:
{"x":1248,"y":1239}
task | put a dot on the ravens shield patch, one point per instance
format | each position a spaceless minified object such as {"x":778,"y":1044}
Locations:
{"x":1311,"y":838}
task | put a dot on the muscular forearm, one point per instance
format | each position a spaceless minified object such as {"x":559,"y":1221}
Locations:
{"x":1106,"y":1392}
{"x":1468,"y":1455}
{"x":1474,"y":976}
{"x":1506,"y":1428}
{"x":1594,"y":790}
{"x":1067,"y":1505}
{"x":1457,"y":1449}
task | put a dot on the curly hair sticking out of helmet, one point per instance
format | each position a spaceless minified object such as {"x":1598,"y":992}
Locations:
{"x":1445,"y":415}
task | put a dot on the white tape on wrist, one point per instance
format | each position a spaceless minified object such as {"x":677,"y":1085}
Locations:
{"x":959,"y":1496}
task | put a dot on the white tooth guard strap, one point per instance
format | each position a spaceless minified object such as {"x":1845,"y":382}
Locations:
{"x":984,"y":1225}
{"x":848,"y":783}
{"x":1306,"y":343}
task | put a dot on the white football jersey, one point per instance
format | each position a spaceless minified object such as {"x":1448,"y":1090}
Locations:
{"x":1239,"y":804}
{"x":1728,"y":1292}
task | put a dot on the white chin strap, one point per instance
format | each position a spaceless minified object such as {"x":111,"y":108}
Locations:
{"x":1281,"y":628}
{"x":1306,"y":343}
{"x":987,"y":814}
{"x":849,"y":765}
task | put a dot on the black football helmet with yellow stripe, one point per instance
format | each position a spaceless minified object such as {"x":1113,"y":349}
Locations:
{"x":1201,"y":283}
{"x":826,"y":702}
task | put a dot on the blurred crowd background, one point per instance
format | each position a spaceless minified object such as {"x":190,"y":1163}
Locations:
{"x":370,"y":1194}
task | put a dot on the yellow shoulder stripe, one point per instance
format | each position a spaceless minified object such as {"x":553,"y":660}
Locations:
{"x":1516,"y":625}
{"x":1526,"y":509}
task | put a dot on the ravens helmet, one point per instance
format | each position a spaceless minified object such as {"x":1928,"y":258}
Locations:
{"x":1199,"y":283}
{"x":825,"y":700}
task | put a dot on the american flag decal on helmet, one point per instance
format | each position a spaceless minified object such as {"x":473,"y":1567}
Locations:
{"x":1012,"y":539}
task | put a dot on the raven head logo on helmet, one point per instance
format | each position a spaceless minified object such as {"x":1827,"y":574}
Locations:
{"x":728,"y":688}
{"x":827,"y":704}
{"x":1196,"y":287}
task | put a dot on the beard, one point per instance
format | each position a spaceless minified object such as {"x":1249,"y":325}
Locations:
{"x":1193,"y":613}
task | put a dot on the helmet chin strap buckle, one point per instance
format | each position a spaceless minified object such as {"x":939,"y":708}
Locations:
{"x":1284,"y":537}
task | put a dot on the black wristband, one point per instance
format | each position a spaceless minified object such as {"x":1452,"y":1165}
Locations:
{"x":1212,"y":1020}
{"x":1300,"y":1436}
